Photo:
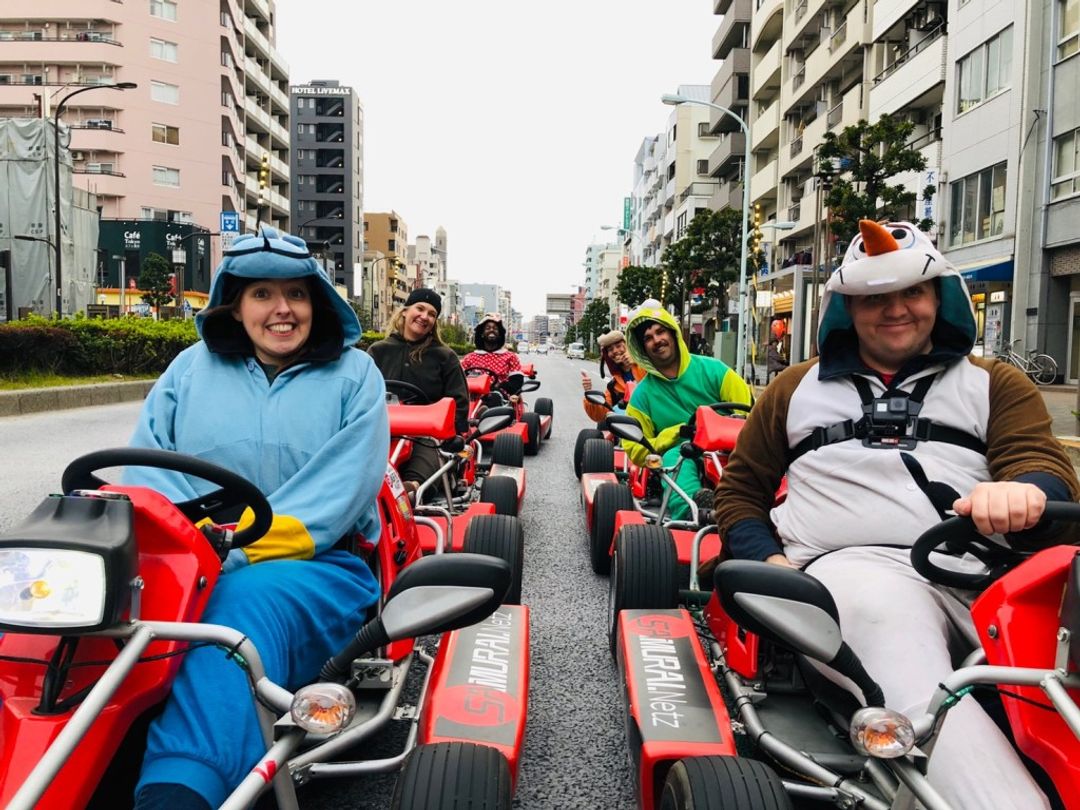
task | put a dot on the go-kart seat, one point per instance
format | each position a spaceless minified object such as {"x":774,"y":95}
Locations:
{"x":1070,"y":610}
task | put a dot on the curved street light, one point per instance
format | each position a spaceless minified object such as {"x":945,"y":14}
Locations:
{"x":56,"y":200}
{"x":740,"y":344}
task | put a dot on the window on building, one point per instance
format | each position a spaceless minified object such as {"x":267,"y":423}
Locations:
{"x":985,"y":71}
{"x":161,"y":49}
{"x":977,"y":206}
{"x":164,"y":176}
{"x":165,"y":9}
{"x":163,"y":133}
{"x":166,"y":215}
{"x":164,"y":92}
{"x":703,"y":167}
{"x":1066,"y":177}
{"x":1069,"y":30}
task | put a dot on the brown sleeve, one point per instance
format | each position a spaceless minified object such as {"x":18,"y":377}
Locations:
{"x":759,"y":460}
{"x":1019,"y":438}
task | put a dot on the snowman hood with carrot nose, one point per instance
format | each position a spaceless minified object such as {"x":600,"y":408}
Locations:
{"x":884,"y":258}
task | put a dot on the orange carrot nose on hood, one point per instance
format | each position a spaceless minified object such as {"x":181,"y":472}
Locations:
{"x":876,"y":238}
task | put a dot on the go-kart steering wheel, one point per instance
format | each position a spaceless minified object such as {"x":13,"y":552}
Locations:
{"x":234,"y":490}
{"x":476,"y":371}
{"x":720,"y":407}
{"x":407,"y":393}
{"x":960,"y":534}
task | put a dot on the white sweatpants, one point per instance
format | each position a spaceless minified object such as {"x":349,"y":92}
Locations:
{"x":910,"y":634}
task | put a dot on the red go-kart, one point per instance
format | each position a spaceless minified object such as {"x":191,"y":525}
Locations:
{"x":101,"y":591}
{"x":599,"y":458}
{"x":531,"y":427}
{"x":763,"y":625}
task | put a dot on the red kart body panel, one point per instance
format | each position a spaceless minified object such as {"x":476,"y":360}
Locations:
{"x":740,"y":646}
{"x":684,"y":543}
{"x":478,"y":385}
{"x":673,"y":706}
{"x":639,"y":479}
{"x":624,"y":517}
{"x":480,"y":685}
{"x":173,"y":556}
{"x":1025,"y":606}
{"x":545,"y":424}
{"x":435,"y":420}
{"x":716,"y":431}
{"x":590,"y":482}
{"x":456,"y":537}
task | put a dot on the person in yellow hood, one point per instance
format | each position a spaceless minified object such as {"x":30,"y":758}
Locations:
{"x":676,"y":383}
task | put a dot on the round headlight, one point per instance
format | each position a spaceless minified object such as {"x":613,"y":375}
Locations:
{"x":881,"y":733}
{"x":653,"y":461}
{"x":323,"y":708}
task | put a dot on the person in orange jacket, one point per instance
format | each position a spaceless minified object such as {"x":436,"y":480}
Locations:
{"x":615,"y":358}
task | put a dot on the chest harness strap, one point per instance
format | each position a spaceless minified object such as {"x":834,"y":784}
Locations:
{"x":890,"y":421}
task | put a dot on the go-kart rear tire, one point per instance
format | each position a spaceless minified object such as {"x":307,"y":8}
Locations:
{"x":532,"y":423}
{"x":598,"y":456}
{"x":644,"y":573}
{"x":499,"y":536}
{"x":723,"y":783}
{"x":453,"y":776}
{"x":579,"y":446}
{"x":508,"y":450}
{"x":545,"y":407}
{"x":502,"y":491}
{"x":609,"y":499}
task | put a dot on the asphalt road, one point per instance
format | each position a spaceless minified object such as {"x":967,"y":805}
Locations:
{"x":575,"y":748}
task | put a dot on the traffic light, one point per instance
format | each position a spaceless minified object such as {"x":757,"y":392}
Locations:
{"x":264,"y":173}
{"x":825,"y":173}
{"x":755,"y":234}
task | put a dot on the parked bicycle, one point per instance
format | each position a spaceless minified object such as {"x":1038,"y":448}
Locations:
{"x":1041,"y":368}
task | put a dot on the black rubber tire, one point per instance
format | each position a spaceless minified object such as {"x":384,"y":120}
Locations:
{"x":545,"y":407}
{"x":579,"y":446}
{"x":598,"y":457}
{"x":499,"y":536}
{"x":610,"y":498}
{"x":508,"y":450}
{"x":644,"y":573}
{"x":453,"y":776}
{"x":532,"y":422}
{"x":502,"y":491}
{"x":723,"y":783}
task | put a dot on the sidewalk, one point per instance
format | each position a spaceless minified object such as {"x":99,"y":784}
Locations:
{"x":36,"y":400}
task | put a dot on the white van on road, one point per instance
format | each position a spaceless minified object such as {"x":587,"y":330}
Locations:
{"x":576,"y":351}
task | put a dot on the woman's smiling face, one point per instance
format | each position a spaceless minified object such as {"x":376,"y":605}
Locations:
{"x":276,"y":314}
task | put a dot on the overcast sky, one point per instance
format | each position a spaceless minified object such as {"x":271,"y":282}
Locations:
{"x":513,"y":125}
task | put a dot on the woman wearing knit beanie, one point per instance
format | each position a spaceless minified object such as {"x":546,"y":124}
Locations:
{"x":614,"y":358}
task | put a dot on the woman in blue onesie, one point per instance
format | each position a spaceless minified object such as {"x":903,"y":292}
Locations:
{"x":275,"y":392}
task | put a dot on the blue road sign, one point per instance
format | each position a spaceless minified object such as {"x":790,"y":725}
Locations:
{"x":230,"y":222}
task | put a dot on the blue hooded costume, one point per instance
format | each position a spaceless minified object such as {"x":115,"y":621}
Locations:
{"x":302,"y":435}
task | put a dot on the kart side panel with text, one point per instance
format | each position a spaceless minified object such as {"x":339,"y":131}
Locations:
{"x":74,"y":700}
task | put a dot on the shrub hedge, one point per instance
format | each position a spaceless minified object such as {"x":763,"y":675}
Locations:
{"x":86,"y":346}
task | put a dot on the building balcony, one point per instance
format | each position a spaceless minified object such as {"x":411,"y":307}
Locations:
{"x":729,"y":33}
{"x":256,"y":38}
{"x":721,"y":6}
{"x":736,"y":62}
{"x":763,"y":183}
{"x":765,"y":128}
{"x":727,"y":154}
{"x":888,"y":13}
{"x":726,"y":195}
{"x":698,"y":188}
{"x":803,"y":14}
{"x":767,"y":24}
{"x":279,"y":134}
{"x":914,"y":74}
{"x":765,"y":77}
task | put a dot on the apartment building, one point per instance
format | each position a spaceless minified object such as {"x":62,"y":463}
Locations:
{"x":209,"y":113}
{"x":327,"y":167}
{"x":386,"y":278}
{"x":428,"y":259}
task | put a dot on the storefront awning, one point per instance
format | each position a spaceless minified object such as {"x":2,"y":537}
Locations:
{"x":996,"y":269}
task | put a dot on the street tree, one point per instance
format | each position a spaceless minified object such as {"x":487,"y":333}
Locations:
{"x":595,"y":320}
{"x":154,"y":281}
{"x":866,"y":156}
{"x":706,"y":257}
{"x":638,"y":283}
{"x":454,"y":333}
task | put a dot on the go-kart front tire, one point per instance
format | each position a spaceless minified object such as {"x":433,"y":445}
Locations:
{"x":579,"y":447}
{"x":723,"y":783}
{"x":609,"y":499}
{"x":545,"y":407}
{"x":502,"y":491}
{"x":532,"y":423}
{"x":508,"y":450}
{"x":598,"y":456}
{"x":644,"y":574}
{"x":499,"y":536}
{"x":453,"y":776}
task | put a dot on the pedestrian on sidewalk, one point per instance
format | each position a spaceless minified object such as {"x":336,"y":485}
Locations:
{"x":775,"y":360}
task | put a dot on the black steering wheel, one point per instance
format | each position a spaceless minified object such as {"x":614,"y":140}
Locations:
{"x":960,"y":534}
{"x":233,"y":490}
{"x":721,"y":407}
{"x":407,"y":393}
{"x":476,"y":371}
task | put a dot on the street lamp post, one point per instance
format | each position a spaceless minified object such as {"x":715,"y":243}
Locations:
{"x":740,"y":344}
{"x":56,"y":180}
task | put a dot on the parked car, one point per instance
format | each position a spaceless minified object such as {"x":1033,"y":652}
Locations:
{"x":576,"y":351}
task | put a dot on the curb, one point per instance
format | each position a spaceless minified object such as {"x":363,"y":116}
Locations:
{"x":37,"y":400}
